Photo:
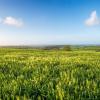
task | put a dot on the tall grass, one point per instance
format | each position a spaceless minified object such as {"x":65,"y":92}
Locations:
{"x":49,"y":75}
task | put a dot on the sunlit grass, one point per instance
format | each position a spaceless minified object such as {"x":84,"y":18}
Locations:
{"x":52,"y":75}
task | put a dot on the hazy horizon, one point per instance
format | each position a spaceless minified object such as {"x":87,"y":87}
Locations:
{"x":49,"y":22}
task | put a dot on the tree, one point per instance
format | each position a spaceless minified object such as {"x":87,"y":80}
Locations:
{"x":67,"y":48}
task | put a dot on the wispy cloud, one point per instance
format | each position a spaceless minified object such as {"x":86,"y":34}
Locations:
{"x":12,"y":21}
{"x":93,"y":20}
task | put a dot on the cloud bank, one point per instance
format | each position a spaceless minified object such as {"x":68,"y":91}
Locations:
{"x":93,"y":20}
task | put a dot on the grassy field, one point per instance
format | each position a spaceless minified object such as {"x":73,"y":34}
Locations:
{"x":27,"y":74}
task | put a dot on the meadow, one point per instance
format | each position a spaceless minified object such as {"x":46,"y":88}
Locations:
{"x":32,"y":74}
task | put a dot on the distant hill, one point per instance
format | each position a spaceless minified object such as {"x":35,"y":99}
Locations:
{"x":56,"y":47}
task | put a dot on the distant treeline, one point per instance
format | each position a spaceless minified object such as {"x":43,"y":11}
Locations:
{"x":58,"y":47}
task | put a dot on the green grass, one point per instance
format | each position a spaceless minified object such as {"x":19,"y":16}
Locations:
{"x":27,"y":74}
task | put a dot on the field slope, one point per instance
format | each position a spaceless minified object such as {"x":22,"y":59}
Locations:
{"x":27,"y":74}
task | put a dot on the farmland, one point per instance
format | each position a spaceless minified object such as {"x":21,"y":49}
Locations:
{"x":33,"y":74}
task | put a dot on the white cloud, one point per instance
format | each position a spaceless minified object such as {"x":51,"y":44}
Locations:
{"x":93,"y":20}
{"x":12,"y":21}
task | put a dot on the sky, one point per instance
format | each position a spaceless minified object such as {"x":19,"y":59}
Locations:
{"x":47,"y":22}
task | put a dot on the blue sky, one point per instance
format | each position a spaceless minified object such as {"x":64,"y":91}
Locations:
{"x":42,"y":22}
